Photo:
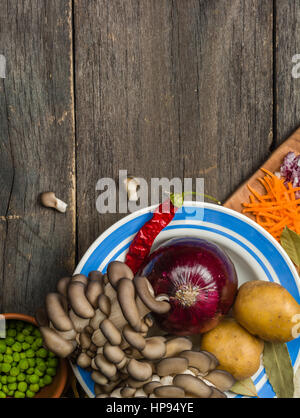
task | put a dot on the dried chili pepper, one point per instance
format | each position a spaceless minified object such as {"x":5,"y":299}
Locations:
{"x":141,"y":245}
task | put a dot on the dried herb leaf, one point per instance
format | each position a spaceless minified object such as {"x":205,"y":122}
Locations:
{"x":244,"y":387}
{"x":279,"y":369}
{"x":290,"y":241}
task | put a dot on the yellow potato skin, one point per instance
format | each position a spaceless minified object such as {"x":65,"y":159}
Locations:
{"x":238,"y":351}
{"x":266,"y":309}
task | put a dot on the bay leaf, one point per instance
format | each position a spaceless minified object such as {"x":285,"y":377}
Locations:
{"x":279,"y":369}
{"x":297,"y":383}
{"x":290,"y":241}
{"x":245,"y":387}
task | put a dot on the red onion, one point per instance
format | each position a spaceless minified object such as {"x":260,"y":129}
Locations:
{"x":200,"y":280}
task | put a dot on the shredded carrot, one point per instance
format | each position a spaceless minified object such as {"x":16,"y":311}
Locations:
{"x":277,"y":208}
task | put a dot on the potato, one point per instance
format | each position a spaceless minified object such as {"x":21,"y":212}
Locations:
{"x":238,"y":351}
{"x":266,"y":309}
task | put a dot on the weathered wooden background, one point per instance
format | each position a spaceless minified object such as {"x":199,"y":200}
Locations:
{"x":162,"y":88}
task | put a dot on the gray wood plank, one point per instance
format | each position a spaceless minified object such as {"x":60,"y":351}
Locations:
{"x":288,"y":45}
{"x":37,"y":148}
{"x":170,"y":88}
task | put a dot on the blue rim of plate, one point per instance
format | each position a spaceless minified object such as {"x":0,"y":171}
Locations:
{"x":201,"y":216}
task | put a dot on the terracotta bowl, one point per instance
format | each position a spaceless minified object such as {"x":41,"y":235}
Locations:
{"x":55,"y":389}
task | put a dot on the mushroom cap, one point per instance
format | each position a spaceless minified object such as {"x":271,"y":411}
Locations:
{"x":171,"y":365}
{"x":104,"y":304}
{"x":55,"y":307}
{"x":126,"y":298}
{"x":192,"y":385}
{"x":176,"y":345}
{"x":221,"y":379}
{"x":111,"y":332}
{"x":134,"y":338}
{"x":108,"y":369}
{"x":93,"y":291}
{"x":79,"y":301}
{"x":113,"y":353}
{"x":169,"y":391}
{"x":139,"y":370}
{"x":197,"y":359}
{"x":57,"y":344}
{"x":117,"y":270}
{"x":155,"y":348}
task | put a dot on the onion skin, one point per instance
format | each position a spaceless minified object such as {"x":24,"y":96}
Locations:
{"x":200,"y":280}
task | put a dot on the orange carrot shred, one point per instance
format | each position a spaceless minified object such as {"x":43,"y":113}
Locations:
{"x":277,"y":208}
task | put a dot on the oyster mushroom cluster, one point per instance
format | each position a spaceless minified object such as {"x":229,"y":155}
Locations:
{"x":102,"y":323}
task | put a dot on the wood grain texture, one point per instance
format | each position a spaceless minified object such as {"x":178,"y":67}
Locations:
{"x":287,"y":45}
{"x":36,"y":150}
{"x":170,"y":88}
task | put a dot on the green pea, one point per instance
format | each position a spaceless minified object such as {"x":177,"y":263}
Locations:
{"x":5,"y":389}
{"x":5,"y":368}
{"x":16,"y":357}
{"x":17,"y":347}
{"x":22,"y":386}
{"x":0,"y":385}
{"x":42,"y":383}
{"x":37,"y":333}
{"x":22,"y":356}
{"x":21,"y":377}
{"x":34,"y":387}
{"x":38,"y":372}
{"x":30,"y":370}
{"x":10,"y":393}
{"x":7,"y":358}
{"x":9,"y":341}
{"x":53,"y":362}
{"x":42,"y":353}
{"x":29,"y":353}
{"x":51,"y":371}
{"x":47,"y":379}
{"x":11,"y":379}
{"x":1,"y":357}
{"x":51,"y":355}
{"x":42,"y":366}
{"x":2,"y":395}
{"x":13,"y":364}
{"x":19,"y":394}
{"x":2,"y":347}
{"x":20,"y":337}
{"x":39,"y":342}
{"x":19,"y":325}
{"x":3,"y":379}
{"x":8,"y":351}
{"x":27,"y":330}
{"x":31,"y":362}
{"x":25,"y":346}
{"x":30,"y":394}
{"x":33,"y":378}
{"x":14,"y":371}
{"x":12,"y":386}
{"x":11,"y":333}
{"x":29,"y":339}
{"x":23,"y":364}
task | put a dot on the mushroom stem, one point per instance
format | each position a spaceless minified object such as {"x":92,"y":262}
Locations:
{"x":49,"y":200}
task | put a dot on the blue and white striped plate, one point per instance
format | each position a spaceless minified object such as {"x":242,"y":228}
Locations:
{"x":255,"y":253}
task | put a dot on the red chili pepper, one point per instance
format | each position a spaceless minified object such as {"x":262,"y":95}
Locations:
{"x":141,"y":245}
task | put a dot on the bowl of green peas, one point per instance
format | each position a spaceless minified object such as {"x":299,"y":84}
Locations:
{"x":27,"y":369}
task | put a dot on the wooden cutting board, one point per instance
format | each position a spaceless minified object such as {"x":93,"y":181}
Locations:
{"x":272,"y":164}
